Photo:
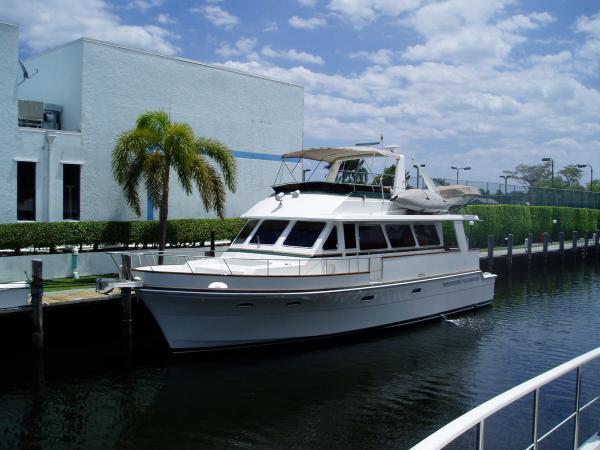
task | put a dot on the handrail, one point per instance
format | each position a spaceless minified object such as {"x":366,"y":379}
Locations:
{"x":477,"y":416}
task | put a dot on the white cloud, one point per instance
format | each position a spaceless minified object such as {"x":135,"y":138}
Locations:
{"x":364,"y":12}
{"x":272,"y":26}
{"x":382,"y":56}
{"x":307,"y":3}
{"x":526,"y":22}
{"x":144,"y":5}
{"x":590,"y":25}
{"x":553,"y":59}
{"x":244,"y":46}
{"x":165,"y":19}
{"x":217,"y":16}
{"x":292,"y":55}
{"x":307,"y":24}
{"x":72,"y":19}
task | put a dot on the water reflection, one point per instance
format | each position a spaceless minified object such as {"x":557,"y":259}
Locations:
{"x":382,"y":391}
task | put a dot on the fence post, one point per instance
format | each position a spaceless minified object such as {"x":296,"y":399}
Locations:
{"x":529,"y":241}
{"x":509,"y":250}
{"x":545,"y":248}
{"x":126,"y":324}
{"x":37,"y":305}
{"x":561,"y":244}
{"x":574,"y":245}
{"x":490,"y":243}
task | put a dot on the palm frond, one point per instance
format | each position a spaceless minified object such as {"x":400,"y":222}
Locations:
{"x":154,"y":165}
{"x":180,"y":146}
{"x":221,"y":155}
{"x":127,"y":163}
{"x":156,"y":122}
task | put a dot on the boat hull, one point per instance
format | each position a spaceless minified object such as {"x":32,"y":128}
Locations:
{"x":218,"y":319}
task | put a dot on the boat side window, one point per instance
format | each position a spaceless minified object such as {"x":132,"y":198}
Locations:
{"x":371,"y":237}
{"x":400,"y":235}
{"x":241,"y":238}
{"x":427,"y":235}
{"x":331,"y":243}
{"x":268,"y":232}
{"x":304,"y":234}
{"x":349,"y":236}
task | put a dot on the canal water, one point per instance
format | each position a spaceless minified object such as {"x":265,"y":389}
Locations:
{"x":92,"y":390}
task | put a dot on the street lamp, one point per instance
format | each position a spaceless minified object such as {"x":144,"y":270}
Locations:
{"x":506,"y":177}
{"x":458,"y":169}
{"x":416,"y":166}
{"x":581,"y":166}
{"x":550,"y":160}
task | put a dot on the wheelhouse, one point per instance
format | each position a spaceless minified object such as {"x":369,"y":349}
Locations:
{"x":313,"y":238}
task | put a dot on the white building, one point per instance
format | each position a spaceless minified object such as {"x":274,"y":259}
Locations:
{"x":95,"y":90}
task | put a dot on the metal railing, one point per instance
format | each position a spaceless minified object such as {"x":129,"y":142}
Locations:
{"x":249,"y":266}
{"x":479,"y":415}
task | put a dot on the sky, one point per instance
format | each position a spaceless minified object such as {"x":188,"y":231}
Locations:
{"x":483,"y":83}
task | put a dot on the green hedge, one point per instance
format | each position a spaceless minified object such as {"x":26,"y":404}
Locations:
{"x":145,"y":233}
{"x":520,"y":220}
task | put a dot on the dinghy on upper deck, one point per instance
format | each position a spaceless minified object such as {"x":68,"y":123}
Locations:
{"x":369,"y":172}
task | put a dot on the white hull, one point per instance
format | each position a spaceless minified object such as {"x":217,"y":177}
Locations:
{"x":14,"y":295}
{"x":215,"y":319}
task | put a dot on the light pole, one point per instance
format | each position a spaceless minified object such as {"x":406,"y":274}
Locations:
{"x":551,"y":161}
{"x":458,"y":169}
{"x":506,"y":177}
{"x":581,"y":166}
{"x":416,"y":166}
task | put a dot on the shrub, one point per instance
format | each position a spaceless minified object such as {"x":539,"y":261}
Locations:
{"x":16,"y":236}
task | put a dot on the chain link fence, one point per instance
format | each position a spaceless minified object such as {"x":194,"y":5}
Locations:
{"x":514,"y":194}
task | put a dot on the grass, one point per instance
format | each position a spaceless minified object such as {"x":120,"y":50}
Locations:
{"x":65,"y":284}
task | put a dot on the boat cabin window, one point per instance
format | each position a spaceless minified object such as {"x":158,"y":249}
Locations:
{"x":331,"y":243}
{"x":371,"y":237}
{"x":269,"y":231}
{"x":241,"y":238}
{"x":304,"y":234}
{"x":349,"y":236}
{"x":400,"y":236}
{"x":427,"y":235}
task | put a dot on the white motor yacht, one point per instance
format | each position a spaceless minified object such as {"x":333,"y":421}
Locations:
{"x":356,"y":250}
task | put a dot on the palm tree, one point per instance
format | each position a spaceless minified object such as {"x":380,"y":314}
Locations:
{"x":149,"y":152}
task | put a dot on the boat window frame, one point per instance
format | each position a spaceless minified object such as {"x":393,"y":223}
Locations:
{"x":282,"y":234}
{"x":332,"y":227}
{"x":437,"y":230}
{"x":412,"y":232}
{"x":352,"y":251}
{"x":233,"y":243}
{"x":372,"y":250}
{"x":289,"y":232}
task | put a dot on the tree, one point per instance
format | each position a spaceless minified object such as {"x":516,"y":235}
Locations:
{"x":440,"y":182}
{"x":530,"y":175}
{"x":148,"y":153}
{"x":572,"y":174}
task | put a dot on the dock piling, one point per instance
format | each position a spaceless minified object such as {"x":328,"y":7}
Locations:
{"x":561,"y":245}
{"x":528,"y":247}
{"x":509,"y":250}
{"x":212,"y":243}
{"x":126,"y":323}
{"x":596,"y":242}
{"x":545,"y":248}
{"x":585,"y":244}
{"x":574,"y":244}
{"x":37,"y":305}
{"x":490,"y":242}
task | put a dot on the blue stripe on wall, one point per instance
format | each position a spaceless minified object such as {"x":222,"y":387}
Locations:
{"x":256,"y":155}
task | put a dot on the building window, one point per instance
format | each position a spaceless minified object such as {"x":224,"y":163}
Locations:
{"x":71,"y":190}
{"x":25,"y":190}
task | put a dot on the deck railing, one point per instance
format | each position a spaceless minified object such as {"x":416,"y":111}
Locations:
{"x":478,"y":416}
{"x":253,"y":266}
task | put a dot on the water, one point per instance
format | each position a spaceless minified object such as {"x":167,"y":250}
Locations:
{"x":389,"y":390}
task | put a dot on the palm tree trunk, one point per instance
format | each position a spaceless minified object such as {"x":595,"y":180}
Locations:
{"x":162,"y":217}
